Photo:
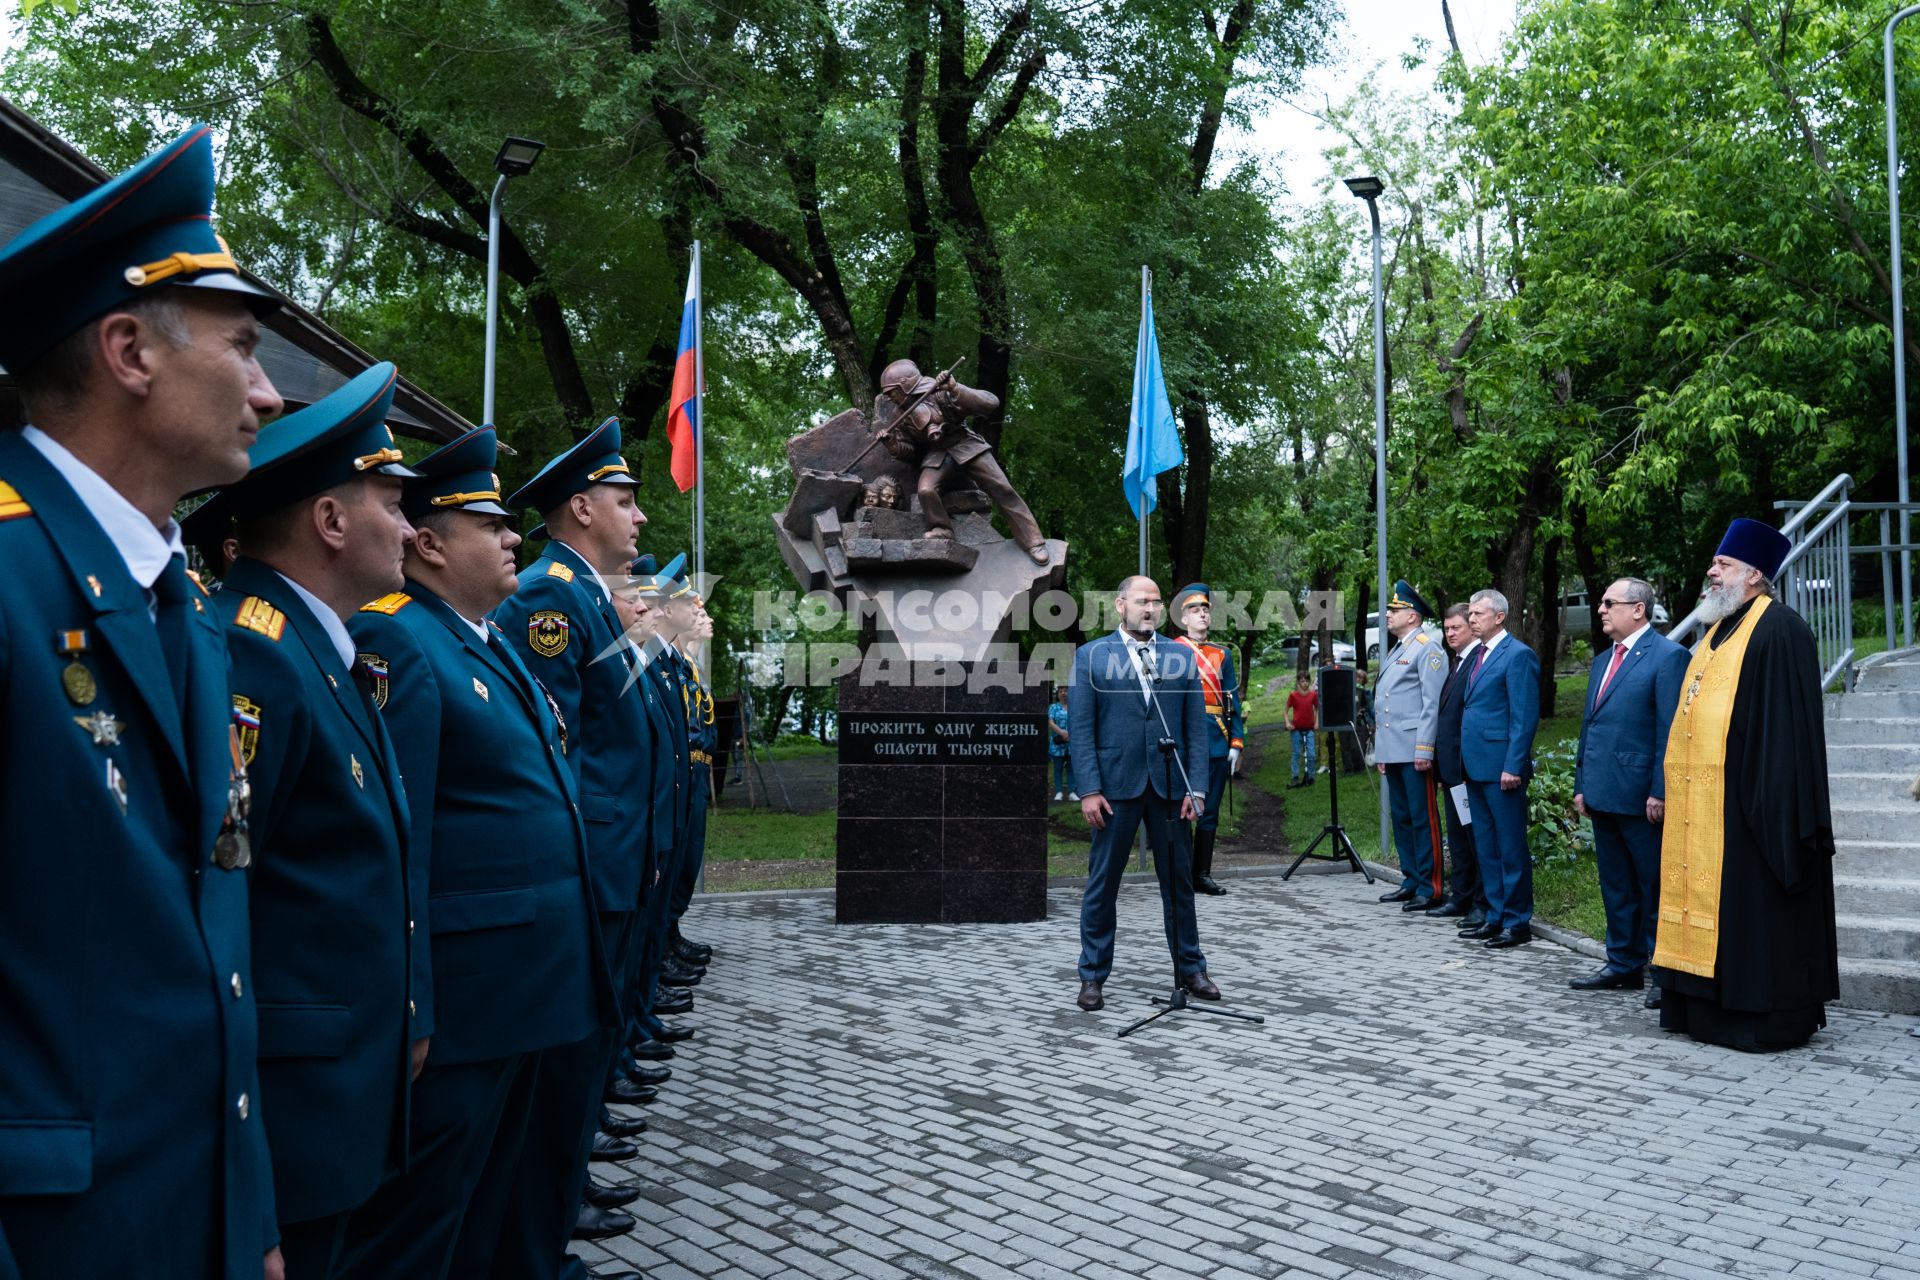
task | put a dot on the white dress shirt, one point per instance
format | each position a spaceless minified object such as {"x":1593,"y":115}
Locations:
{"x":329,"y":621}
{"x":144,"y":548}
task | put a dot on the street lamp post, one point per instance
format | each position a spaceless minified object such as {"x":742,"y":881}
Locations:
{"x":516,"y":158}
{"x":1369,"y":189}
{"x":1899,"y":326}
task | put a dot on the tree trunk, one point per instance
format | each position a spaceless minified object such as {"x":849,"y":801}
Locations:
{"x":1549,"y":621}
{"x":1589,"y":562}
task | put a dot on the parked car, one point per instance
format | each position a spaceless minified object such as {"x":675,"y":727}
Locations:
{"x":1373,"y":636}
{"x":1290,"y":652}
{"x":1576,"y":616}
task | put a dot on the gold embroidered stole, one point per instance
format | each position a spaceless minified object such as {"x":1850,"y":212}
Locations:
{"x":1694,"y":834}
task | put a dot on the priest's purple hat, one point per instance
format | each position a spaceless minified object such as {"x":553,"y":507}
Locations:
{"x":1760,"y":545}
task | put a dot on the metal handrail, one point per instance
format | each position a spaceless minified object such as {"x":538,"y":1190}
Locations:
{"x":1834,"y":495}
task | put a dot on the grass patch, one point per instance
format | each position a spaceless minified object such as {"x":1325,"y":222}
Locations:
{"x":768,"y":835}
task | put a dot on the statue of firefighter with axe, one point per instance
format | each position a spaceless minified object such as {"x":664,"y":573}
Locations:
{"x":924,"y":420}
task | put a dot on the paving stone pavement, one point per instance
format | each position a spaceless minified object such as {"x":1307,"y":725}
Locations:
{"x":891,"y":1101}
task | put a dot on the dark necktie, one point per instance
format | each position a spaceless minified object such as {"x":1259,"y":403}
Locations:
{"x":1473,"y":677}
{"x":173,"y":596}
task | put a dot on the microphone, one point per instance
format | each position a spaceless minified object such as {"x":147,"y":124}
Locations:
{"x":1148,"y":666}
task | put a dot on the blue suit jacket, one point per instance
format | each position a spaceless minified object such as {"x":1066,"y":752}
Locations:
{"x":1446,"y":734}
{"x":611,"y":746}
{"x":507,"y":954}
{"x":331,"y":909}
{"x":1623,"y":737}
{"x":1500,"y":713}
{"x":120,"y":939}
{"x":1108,"y":711}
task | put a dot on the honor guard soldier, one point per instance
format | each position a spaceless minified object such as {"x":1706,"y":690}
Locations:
{"x":1406,"y":708}
{"x":704,"y":737}
{"x":563,"y":622}
{"x":1226,"y":727}
{"x":123,"y":890}
{"x":320,"y":531}
{"x":507,"y":956}
{"x":670,"y":597}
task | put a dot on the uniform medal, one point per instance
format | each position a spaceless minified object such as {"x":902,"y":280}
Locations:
{"x":76,"y":679}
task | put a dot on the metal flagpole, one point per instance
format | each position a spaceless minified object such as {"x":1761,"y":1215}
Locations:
{"x":699,"y":428}
{"x":1146,"y":293}
{"x":1899,"y":326}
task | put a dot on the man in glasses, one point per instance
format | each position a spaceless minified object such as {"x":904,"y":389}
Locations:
{"x":1619,"y":776}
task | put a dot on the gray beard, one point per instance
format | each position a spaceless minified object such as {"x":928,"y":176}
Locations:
{"x":1721,"y":601}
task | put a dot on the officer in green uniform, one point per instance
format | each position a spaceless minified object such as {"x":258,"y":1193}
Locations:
{"x":507,"y":957}
{"x":132,"y":1141}
{"x":321,"y":532}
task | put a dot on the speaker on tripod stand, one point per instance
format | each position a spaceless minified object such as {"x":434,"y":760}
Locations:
{"x":1338,"y":713}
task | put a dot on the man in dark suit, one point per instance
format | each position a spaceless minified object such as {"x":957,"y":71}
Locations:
{"x":1139,"y":723}
{"x":132,"y":1142}
{"x":1619,"y":775}
{"x":507,"y":957}
{"x":321,"y":533}
{"x":563,"y":623}
{"x":1467,"y":897}
{"x":1498,"y":718}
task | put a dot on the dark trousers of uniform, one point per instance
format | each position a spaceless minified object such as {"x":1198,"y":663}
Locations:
{"x":1627,"y":848}
{"x":985,"y":472}
{"x":543,"y":1197}
{"x":1416,"y":828}
{"x":312,"y":1249}
{"x":466,"y":1132}
{"x":1172,"y":864}
{"x":650,"y":952}
{"x":1467,"y":889}
{"x":1500,"y":840}
{"x":688,"y":878}
{"x":1216,"y":791}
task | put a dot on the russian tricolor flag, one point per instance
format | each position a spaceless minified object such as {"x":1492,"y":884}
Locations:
{"x":683,"y":405}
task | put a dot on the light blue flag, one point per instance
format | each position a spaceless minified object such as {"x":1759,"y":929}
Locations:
{"x":1153,"y":443}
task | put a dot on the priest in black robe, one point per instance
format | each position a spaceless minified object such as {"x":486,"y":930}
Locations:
{"x":1746,"y":953}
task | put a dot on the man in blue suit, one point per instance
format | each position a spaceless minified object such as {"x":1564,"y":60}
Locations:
{"x":1467,"y":897}
{"x":563,"y":622}
{"x":1497,"y":723}
{"x":1619,"y":777}
{"x":132,"y":1141}
{"x":507,"y":958}
{"x":320,"y":532}
{"x":1138,"y":721}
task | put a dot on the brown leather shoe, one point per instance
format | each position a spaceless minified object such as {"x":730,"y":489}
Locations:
{"x":1090,"y":997}
{"x":1201,"y":986}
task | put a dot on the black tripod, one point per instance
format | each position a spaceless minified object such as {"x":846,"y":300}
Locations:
{"x":1177,"y":1000}
{"x":1341,"y":844}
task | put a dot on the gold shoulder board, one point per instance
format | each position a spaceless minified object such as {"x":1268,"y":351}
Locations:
{"x":558,"y":570}
{"x":257,"y":615}
{"x":388,"y":604}
{"x":12,"y":505}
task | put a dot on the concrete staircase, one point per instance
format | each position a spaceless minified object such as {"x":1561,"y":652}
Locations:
{"x":1873,"y":754}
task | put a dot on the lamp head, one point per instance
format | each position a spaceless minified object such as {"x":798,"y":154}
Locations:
{"x":1367,"y":188}
{"x":517,"y":156}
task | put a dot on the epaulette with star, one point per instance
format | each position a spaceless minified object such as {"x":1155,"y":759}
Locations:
{"x":389,"y":604}
{"x":258,"y":615}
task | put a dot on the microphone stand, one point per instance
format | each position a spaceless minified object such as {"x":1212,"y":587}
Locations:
{"x":1178,"y":999}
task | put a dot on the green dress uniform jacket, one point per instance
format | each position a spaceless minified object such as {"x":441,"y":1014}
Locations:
{"x":331,"y":910}
{"x":125,"y":964}
{"x":507,"y":955}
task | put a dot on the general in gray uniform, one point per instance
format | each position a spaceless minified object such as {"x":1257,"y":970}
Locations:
{"x":1406,"y":709}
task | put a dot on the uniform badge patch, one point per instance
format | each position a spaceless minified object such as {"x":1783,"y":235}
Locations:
{"x":378,"y":670}
{"x":359,"y":775}
{"x":117,"y":786}
{"x":246,"y":726}
{"x":104,"y":729}
{"x":480,"y":689}
{"x":547,"y":632}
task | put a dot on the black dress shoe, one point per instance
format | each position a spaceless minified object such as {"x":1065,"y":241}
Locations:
{"x":673,"y":1001}
{"x":599,"y":1224}
{"x":1472,"y":920}
{"x":623,"y":1126}
{"x":1480,"y":932}
{"x":671,"y":976}
{"x":1446,"y":910}
{"x":651,"y":1050}
{"x":649,"y":1075}
{"x":616,"y":1275}
{"x":674,"y":1035}
{"x":602,"y":1196}
{"x":1200,"y":986}
{"x":1611,"y":980}
{"x":1398,"y":895}
{"x":1504,"y":938}
{"x":605,"y":1148}
{"x":1652,"y":1000}
{"x":1090,"y":998}
{"x":627,"y":1093}
{"x":1418,"y":904}
{"x":675,"y":964}
{"x":691,"y":952}
{"x":1208,"y":885}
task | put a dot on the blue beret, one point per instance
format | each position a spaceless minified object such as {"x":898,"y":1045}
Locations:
{"x":152,"y":225}
{"x":595,"y":459}
{"x":335,"y":439}
{"x":1405,"y":597}
{"x":1192,"y":590}
{"x":1760,"y":545}
{"x":457,"y":477}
